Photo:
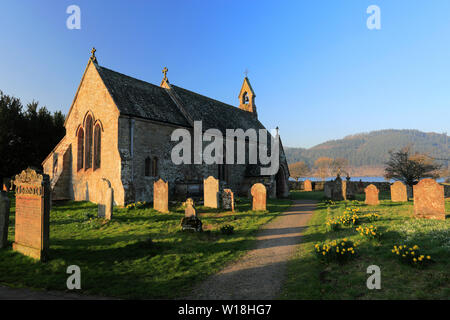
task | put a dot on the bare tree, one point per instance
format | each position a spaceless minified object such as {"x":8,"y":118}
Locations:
{"x":410,"y":168}
{"x":299,"y":169}
{"x":340,"y":166}
{"x":323,"y":167}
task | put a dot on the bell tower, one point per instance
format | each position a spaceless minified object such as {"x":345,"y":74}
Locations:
{"x":247,"y":98}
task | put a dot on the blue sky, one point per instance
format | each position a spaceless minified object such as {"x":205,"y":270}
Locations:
{"x":318,"y":72}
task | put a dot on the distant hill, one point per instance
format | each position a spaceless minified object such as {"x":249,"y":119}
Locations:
{"x":369,"y":151}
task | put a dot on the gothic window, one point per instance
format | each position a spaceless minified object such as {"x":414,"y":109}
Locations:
{"x":88,"y":143}
{"x":97,"y":146}
{"x":147,"y":166}
{"x":155,"y":167}
{"x":80,"y":146}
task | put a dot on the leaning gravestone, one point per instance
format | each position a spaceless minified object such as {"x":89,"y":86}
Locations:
{"x":371,"y":195}
{"x":32,"y":214}
{"x":429,"y":201}
{"x":398,"y":192}
{"x":259,"y":196}
{"x":190,"y":222}
{"x":211,"y":192}
{"x":307,"y":185}
{"x":4,"y":219}
{"x":105,"y":209}
{"x":161,"y":196}
{"x":228,"y":200}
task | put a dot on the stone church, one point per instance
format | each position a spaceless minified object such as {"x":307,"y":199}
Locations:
{"x":118,"y":133}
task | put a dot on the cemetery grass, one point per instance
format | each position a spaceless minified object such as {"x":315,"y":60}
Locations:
{"x":140,"y":254}
{"x":308,"y":278}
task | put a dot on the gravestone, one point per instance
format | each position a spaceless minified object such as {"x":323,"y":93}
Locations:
{"x":259,"y":196}
{"x":32,"y":214}
{"x":161,"y":196}
{"x":211,"y":192}
{"x":190,"y":222}
{"x":307,"y":185}
{"x":429,"y":201}
{"x":4,"y":219}
{"x":189,"y":210}
{"x":398,"y":192}
{"x":228,"y":200}
{"x":105,"y":209}
{"x":371,"y":195}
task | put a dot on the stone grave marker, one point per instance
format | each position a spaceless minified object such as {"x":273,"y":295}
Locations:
{"x":429,"y":201}
{"x":228,"y":200}
{"x":398,"y":192}
{"x":161,"y":196}
{"x":259,"y":197}
{"x":211,"y":192}
{"x":307,"y":185}
{"x":191,"y":222}
{"x":371,"y":195}
{"x":4,"y":219}
{"x":32,"y":214}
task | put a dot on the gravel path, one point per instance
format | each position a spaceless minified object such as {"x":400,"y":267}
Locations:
{"x":259,"y":274}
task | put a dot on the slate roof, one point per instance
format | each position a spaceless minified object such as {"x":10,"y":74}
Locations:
{"x":141,"y":99}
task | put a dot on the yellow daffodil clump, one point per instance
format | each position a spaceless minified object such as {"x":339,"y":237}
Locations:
{"x":336,"y":250}
{"x":370,"y":232}
{"x":411,"y":255}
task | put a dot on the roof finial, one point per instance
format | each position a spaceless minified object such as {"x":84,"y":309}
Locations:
{"x":165,"y":70}
{"x":246,"y":72}
{"x":93,"y":58}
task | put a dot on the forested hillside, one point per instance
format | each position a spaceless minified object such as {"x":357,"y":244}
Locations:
{"x":371,"y":149}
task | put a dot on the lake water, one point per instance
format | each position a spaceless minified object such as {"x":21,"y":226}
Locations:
{"x":363,"y":179}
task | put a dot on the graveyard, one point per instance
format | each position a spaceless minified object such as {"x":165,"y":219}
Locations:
{"x":140,"y":253}
{"x":310,"y":278}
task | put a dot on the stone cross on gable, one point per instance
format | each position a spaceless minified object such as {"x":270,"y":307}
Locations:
{"x":93,"y":58}
{"x":165,"y":70}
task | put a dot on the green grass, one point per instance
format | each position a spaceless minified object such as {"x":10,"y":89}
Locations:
{"x":308,"y":278}
{"x":116,"y":259}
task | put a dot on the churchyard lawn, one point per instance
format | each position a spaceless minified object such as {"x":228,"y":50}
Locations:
{"x":118,"y":260}
{"x":309,"y":278}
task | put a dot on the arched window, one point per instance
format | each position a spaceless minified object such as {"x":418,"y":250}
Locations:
{"x":147,"y":166}
{"x":80,"y":151}
{"x":97,"y":146}
{"x":245,"y":99}
{"x":155,"y":167}
{"x":88,"y":143}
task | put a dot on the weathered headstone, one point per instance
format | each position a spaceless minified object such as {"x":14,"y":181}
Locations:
{"x":371,"y":195}
{"x":211,"y":192}
{"x":106,"y":207}
{"x":191,"y":222}
{"x":398,"y":192}
{"x":259,"y":197}
{"x":189,"y":210}
{"x":228,"y":200}
{"x":429,"y":201}
{"x":161,"y":196}
{"x":32,"y":214}
{"x":4,"y":219}
{"x":307,"y":185}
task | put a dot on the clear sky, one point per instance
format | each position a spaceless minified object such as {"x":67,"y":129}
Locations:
{"x":318,"y":72}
